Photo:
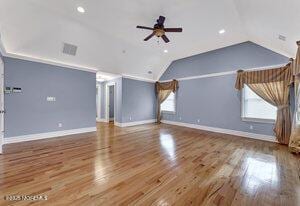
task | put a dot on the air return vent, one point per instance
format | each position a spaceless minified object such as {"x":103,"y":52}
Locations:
{"x":281,"y":37}
{"x":69,"y":49}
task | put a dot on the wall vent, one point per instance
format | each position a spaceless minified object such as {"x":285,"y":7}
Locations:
{"x":281,"y":37}
{"x":69,"y":49}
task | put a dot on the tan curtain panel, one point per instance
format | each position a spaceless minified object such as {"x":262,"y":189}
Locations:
{"x":163,"y":90}
{"x":264,"y":76}
{"x":294,"y":145}
{"x":273,"y":86}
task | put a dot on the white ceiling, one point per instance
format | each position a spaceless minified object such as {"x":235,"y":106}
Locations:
{"x":107,"y":39}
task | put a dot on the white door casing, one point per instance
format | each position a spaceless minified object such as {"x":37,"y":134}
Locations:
{"x":1,"y":104}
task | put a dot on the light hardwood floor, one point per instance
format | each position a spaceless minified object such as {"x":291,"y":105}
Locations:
{"x":150,"y":165}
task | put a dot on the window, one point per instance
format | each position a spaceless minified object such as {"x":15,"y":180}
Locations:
{"x":255,"y":108}
{"x":169,"y":104}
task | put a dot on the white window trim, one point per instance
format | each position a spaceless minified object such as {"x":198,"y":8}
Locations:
{"x":175,"y":106}
{"x":250,"y":119}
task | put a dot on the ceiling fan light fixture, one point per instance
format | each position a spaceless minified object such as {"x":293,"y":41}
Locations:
{"x":80,"y":9}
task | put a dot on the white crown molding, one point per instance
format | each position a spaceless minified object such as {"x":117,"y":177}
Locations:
{"x":223,"y":131}
{"x":39,"y":136}
{"x":129,"y":124}
{"x":44,"y":61}
{"x":138,"y":78}
{"x":50,"y":62}
{"x":224,"y":73}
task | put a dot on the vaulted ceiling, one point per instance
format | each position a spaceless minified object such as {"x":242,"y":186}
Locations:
{"x":108,"y":40}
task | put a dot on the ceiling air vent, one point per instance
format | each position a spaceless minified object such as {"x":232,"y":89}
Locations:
{"x":69,"y":49}
{"x":281,"y":37}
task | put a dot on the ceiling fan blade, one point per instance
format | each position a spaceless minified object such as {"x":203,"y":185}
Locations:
{"x":173,"y":29}
{"x":165,"y":38}
{"x":144,"y":27}
{"x":149,"y":37}
{"x":161,"y":20}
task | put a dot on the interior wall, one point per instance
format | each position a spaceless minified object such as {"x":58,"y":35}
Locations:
{"x":213,"y":101}
{"x":29,"y":112}
{"x":139,"y":100}
{"x":134,"y":100}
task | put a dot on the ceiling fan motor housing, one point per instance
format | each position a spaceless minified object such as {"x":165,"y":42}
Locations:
{"x":159,"y":32}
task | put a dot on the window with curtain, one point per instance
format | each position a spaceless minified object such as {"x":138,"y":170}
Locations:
{"x":169,"y":104}
{"x":255,"y":108}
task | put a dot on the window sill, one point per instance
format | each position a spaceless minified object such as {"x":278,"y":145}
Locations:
{"x":168,"y":112}
{"x":249,"y":119}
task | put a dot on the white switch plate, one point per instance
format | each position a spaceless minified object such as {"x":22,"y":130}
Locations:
{"x":59,"y":124}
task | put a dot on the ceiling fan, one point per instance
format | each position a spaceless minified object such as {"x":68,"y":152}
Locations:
{"x":159,"y":29}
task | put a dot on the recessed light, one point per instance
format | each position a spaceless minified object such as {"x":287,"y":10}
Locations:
{"x":222,"y":31}
{"x":166,"y":51}
{"x":80,"y":9}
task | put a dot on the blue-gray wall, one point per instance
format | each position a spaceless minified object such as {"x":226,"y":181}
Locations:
{"x":138,"y":101}
{"x":134,"y":100}
{"x":29,"y":112}
{"x":214,"y":101}
{"x":244,"y":55}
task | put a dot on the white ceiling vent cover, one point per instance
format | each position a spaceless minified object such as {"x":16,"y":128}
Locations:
{"x":69,"y":49}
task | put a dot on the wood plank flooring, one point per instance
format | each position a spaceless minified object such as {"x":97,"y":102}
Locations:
{"x":150,"y":165}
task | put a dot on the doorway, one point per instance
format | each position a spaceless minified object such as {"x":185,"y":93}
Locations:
{"x":98,"y":102}
{"x":1,"y":104}
{"x":110,"y":102}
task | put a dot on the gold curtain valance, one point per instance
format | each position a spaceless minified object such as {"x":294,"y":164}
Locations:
{"x":264,"y":76}
{"x":172,"y":85}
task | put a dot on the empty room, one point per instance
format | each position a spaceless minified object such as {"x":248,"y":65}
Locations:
{"x":139,"y":102}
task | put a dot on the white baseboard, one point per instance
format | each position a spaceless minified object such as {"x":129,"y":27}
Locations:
{"x":101,"y":120}
{"x":24,"y":138}
{"x":224,"y":131}
{"x":129,"y":124}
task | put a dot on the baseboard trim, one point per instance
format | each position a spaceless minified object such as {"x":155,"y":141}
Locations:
{"x":130,"y":124}
{"x":101,"y":120}
{"x":224,"y":131}
{"x":39,"y":136}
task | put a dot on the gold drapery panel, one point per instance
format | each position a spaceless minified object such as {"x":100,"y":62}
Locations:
{"x":264,"y":76}
{"x":273,"y":86}
{"x":277,"y":94}
{"x":163,"y":90}
{"x":294,"y":145}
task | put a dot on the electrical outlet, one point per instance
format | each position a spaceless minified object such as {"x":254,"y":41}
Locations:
{"x":130,"y":118}
{"x":251,"y":127}
{"x":59,"y":124}
{"x":198,"y":120}
{"x":179,"y":118}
